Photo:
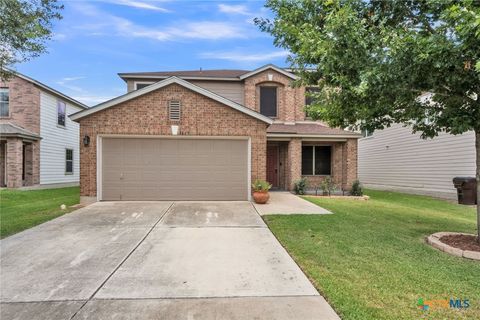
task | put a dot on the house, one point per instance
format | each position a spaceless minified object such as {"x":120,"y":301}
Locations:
{"x":206,"y":135}
{"x":395,"y":159}
{"x":38,"y":142}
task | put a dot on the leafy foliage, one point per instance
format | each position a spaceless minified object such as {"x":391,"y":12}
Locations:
{"x":24,"y":28}
{"x":300,"y":186}
{"x":261,"y":186}
{"x":328,"y":186}
{"x":356,"y":189}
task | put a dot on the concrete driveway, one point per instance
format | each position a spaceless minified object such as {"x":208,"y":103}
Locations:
{"x":154,"y":260}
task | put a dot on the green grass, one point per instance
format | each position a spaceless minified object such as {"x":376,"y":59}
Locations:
{"x":20,"y":210}
{"x":370,"y":261}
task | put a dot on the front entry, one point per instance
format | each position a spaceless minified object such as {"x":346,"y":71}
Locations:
{"x":272,"y":166}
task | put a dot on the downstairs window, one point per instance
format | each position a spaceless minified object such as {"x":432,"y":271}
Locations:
{"x":316,"y":160}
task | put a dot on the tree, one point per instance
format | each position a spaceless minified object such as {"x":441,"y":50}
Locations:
{"x":373,"y":59}
{"x":25,"y":26}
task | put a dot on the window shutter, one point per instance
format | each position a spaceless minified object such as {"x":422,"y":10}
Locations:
{"x":174,"y":110}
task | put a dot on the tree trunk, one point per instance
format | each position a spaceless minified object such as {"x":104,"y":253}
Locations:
{"x":477,"y":148}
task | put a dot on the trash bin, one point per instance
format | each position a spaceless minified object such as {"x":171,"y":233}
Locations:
{"x":466,"y":190}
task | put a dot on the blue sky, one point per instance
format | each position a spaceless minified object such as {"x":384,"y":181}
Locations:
{"x":96,"y":39}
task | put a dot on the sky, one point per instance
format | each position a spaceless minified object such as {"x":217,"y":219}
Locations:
{"x":96,"y":39}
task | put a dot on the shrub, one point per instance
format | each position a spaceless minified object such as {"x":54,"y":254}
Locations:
{"x":300,"y":186}
{"x":261,"y":186}
{"x":356,"y":189}
{"x":328,"y":186}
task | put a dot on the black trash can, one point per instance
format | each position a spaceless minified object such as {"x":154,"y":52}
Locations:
{"x":466,"y":190}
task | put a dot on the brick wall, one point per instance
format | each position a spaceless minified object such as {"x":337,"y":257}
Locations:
{"x":148,"y":115}
{"x":290,"y":100}
{"x":24,"y":104}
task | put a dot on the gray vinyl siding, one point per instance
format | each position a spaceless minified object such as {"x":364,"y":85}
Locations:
{"x":396,"y":159}
{"x":232,"y":90}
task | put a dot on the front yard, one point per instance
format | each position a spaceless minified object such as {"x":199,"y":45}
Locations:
{"x":370,"y":261}
{"x":20,"y":210}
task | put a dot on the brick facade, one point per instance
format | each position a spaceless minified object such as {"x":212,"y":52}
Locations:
{"x":148,"y":115}
{"x":290,"y":100}
{"x":24,"y":109}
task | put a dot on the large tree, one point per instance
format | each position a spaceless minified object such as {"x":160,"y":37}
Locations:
{"x":25,"y":26}
{"x":372,"y":59}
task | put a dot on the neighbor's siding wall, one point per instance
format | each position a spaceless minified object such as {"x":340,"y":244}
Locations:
{"x":55,"y":140}
{"x":396,"y":159}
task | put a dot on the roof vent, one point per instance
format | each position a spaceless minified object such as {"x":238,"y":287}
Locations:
{"x":174,"y":110}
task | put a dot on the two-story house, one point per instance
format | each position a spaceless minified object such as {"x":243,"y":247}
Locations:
{"x":206,"y":135}
{"x":39,"y":144}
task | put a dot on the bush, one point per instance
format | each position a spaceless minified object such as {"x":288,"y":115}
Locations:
{"x":300,"y":186}
{"x":356,"y":189}
{"x":261,"y":186}
{"x":328,"y":186}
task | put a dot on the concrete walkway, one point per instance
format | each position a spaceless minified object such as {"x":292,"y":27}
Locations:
{"x":282,"y":202}
{"x":154,"y":260}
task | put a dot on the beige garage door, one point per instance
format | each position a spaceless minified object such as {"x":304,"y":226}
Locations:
{"x":174,"y":169}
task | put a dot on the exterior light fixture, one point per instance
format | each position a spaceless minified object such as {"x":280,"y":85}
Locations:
{"x":86,"y":140}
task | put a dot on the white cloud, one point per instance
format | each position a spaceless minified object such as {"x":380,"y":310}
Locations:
{"x":238,"y":56}
{"x":147,"y":5}
{"x":103,"y":23}
{"x":92,"y":100}
{"x":235,"y":9}
{"x":66,"y":83}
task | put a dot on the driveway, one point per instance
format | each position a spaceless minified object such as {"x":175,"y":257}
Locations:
{"x":154,"y":260}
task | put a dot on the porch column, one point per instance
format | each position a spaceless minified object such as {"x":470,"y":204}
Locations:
{"x":350,"y":162}
{"x":3,"y":163}
{"x":14,"y":162}
{"x":294,"y":157}
{"x":29,"y":164}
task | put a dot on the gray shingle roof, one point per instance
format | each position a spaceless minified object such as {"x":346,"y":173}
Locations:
{"x":11,"y":130}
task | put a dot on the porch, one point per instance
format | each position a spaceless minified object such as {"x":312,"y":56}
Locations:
{"x":19,"y":157}
{"x":322,"y":152}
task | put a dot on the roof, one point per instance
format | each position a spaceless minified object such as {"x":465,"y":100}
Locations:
{"x":308,"y":129}
{"x":11,"y":130}
{"x":220,"y":74}
{"x":47,"y":88}
{"x":164,"y":83}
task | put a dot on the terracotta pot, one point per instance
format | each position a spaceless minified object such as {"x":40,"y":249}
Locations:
{"x":261,"y":197}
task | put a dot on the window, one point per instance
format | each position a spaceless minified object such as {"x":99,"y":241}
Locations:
{"x":4,"y":102}
{"x":61,"y":113}
{"x":308,"y":98}
{"x":141,"y":85}
{"x":268,"y":101}
{"x":68,"y":161}
{"x":174,"y":110}
{"x":366,"y":133}
{"x":316,"y":160}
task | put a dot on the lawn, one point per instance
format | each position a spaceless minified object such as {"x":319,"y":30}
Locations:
{"x":20,"y":210}
{"x":370,"y":261}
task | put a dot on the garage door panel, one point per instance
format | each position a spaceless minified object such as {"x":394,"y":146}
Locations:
{"x":174,"y":169}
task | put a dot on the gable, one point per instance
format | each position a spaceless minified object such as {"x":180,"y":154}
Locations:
{"x":164,"y":83}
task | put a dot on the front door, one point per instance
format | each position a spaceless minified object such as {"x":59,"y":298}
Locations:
{"x":272,"y":165}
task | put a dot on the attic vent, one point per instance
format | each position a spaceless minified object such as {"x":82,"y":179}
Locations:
{"x":174,"y":110}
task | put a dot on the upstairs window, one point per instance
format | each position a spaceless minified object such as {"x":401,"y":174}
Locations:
{"x":174,"y":110}
{"x":61,"y":108}
{"x":309,"y":99}
{"x":316,"y":160}
{"x":4,"y":102}
{"x":268,"y":101}
{"x":141,"y":85}
{"x":68,"y":161}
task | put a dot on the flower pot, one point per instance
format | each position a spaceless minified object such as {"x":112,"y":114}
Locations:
{"x":261,"y":197}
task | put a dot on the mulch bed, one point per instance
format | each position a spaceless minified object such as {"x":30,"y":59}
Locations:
{"x":462,"y":241}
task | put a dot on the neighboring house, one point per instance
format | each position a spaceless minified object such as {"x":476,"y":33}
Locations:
{"x":206,"y":135}
{"x":39,"y":144}
{"x":396,"y":159}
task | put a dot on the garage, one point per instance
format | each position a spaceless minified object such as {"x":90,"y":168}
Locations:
{"x":174,"y":168}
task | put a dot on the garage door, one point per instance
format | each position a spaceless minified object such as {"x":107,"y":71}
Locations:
{"x":174,"y":169}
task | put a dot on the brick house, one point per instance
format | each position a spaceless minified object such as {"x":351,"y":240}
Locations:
{"x":206,"y":135}
{"x":38,"y":142}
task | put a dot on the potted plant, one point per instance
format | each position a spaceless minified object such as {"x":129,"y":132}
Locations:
{"x":260,"y":191}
